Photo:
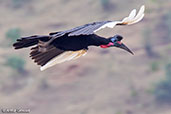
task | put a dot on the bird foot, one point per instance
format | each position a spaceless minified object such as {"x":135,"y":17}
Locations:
{"x":42,"y":46}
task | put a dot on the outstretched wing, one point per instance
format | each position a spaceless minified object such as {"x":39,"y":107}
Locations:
{"x":92,"y":28}
{"x":65,"y":56}
{"x":86,"y":29}
{"x":53,"y":56}
{"x":43,"y":57}
{"x":131,"y":19}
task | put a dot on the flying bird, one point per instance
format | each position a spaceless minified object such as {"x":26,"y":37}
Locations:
{"x":58,"y":47}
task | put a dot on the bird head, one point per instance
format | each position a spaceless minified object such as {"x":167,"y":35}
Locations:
{"x":115,"y":41}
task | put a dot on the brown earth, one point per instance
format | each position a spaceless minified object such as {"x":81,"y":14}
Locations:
{"x":105,"y":81}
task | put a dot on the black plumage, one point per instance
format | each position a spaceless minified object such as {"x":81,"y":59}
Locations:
{"x":58,"y":47}
{"x":75,"y":43}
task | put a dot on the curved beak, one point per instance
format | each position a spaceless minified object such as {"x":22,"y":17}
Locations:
{"x":123,"y":46}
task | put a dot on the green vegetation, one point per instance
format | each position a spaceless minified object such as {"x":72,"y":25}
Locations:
{"x":168,"y":24}
{"x":154,"y":1}
{"x":147,"y":42}
{"x":13,"y":34}
{"x":155,"y":66}
{"x":105,"y":4}
{"x":44,"y":84}
{"x":168,"y":71}
{"x":19,"y":3}
{"x":119,"y":112}
{"x":165,"y":27}
{"x":162,"y":90}
{"x":16,"y":63}
{"x":134,"y":93}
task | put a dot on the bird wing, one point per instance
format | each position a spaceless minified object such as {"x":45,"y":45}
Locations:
{"x":65,"y":56}
{"x":92,"y":28}
{"x":86,"y":29}
{"x":42,"y":57}
{"x":52,"y":56}
{"x":131,"y":19}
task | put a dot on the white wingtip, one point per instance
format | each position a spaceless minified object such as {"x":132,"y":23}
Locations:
{"x":133,"y":18}
{"x":66,"y":56}
{"x":132,"y":14}
{"x":141,"y":12}
{"x":42,"y":68}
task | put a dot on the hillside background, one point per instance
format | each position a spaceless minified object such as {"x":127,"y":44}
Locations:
{"x":105,"y":81}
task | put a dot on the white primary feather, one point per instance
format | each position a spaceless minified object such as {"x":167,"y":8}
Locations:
{"x":137,"y":18}
{"x":109,"y":25}
{"x":131,"y":19}
{"x":66,"y":56}
{"x":140,"y":15}
{"x":141,"y":11}
{"x":132,"y":14}
{"x":59,"y":59}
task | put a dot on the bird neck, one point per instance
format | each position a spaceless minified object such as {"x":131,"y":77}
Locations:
{"x":96,"y":40}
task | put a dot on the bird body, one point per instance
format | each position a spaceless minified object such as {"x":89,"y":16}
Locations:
{"x":58,"y":47}
{"x":75,"y":43}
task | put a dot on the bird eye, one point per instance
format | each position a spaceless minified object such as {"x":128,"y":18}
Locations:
{"x":119,"y":42}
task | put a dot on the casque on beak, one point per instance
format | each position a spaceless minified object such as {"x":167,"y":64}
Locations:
{"x":123,"y":46}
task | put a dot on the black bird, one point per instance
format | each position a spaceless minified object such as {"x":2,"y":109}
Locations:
{"x":66,"y":45}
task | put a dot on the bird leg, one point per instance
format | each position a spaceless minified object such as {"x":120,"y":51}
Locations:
{"x":44,"y":45}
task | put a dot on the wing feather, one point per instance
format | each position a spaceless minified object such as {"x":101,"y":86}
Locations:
{"x":41,"y":58}
{"x":92,"y":28}
{"x":131,"y":19}
{"x":88,"y":29}
{"x":66,"y":56}
{"x":132,"y":14}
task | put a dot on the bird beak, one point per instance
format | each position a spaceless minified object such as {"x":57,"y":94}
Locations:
{"x":123,"y":46}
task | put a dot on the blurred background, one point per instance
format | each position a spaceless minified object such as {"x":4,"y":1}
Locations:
{"x":105,"y":81}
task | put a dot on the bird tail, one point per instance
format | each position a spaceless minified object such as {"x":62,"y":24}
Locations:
{"x":29,"y":41}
